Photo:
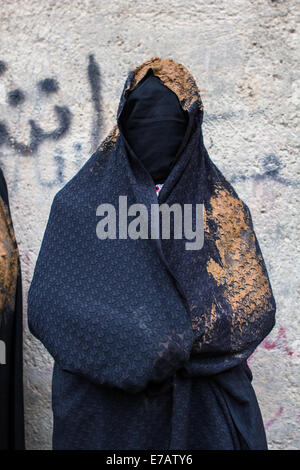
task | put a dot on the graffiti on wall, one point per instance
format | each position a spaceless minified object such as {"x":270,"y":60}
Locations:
{"x":16,"y":98}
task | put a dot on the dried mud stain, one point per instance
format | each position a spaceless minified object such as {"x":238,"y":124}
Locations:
{"x":173,"y":75}
{"x":241,"y":272}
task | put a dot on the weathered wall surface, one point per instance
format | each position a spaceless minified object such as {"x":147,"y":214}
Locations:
{"x":62,"y":70}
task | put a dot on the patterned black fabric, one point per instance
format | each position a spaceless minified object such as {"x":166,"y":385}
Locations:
{"x":150,"y":340}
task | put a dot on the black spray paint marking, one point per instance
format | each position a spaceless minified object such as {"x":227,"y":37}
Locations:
{"x":78,"y":158}
{"x":16,"y":97}
{"x":272,"y":167}
{"x":207,"y":118}
{"x":48,"y":85}
{"x":271,"y":163}
{"x":3,"y":67}
{"x":37,"y":134}
{"x":94,"y":78}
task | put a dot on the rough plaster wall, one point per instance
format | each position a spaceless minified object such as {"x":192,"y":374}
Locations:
{"x":243,"y":55}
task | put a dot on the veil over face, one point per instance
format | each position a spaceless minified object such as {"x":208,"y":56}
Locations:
{"x":145,"y":314}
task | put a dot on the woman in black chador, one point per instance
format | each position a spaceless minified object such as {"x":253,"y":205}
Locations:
{"x":150,"y":339}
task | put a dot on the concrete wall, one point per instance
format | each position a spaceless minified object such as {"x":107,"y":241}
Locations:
{"x":62,"y":70}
